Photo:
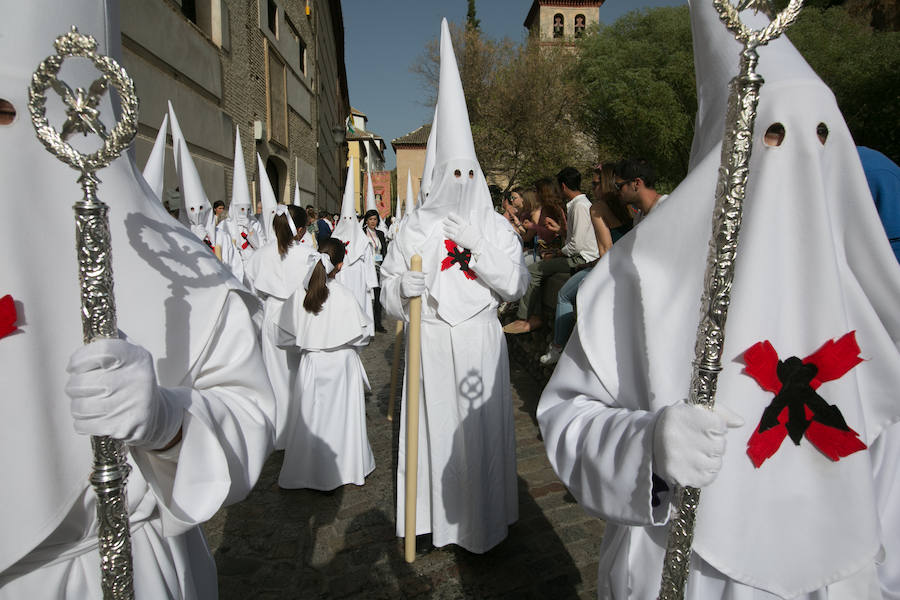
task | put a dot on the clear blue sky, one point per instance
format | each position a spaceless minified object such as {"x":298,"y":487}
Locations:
{"x":383,"y":38}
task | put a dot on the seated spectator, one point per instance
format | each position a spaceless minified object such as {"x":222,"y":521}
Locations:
{"x":528,"y":217}
{"x":522,"y":211}
{"x":610,"y":221}
{"x":550,"y":228}
{"x":636,"y":186}
{"x":580,"y":248}
{"x":511,"y":205}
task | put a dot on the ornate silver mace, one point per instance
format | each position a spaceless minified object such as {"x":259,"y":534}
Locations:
{"x":730,"y":190}
{"x":92,"y":245}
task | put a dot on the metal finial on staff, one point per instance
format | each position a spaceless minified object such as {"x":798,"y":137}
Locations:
{"x":730,"y":190}
{"x":92,"y":245}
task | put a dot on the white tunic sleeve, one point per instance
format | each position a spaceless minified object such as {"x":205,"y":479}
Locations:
{"x":371,"y":272}
{"x":392,"y":268}
{"x":227,"y":431}
{"x":501,"y":265}
{"x":603,"y":454}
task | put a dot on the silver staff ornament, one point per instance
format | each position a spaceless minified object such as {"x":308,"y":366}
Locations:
{"x":92,"y":245}
{"x":730,"y":190}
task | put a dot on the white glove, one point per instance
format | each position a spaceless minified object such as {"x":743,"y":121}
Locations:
{"x":412,"y":283}
{"x":689,"y":441}
{"x":461,"y":232}
{"x":112,"y":385}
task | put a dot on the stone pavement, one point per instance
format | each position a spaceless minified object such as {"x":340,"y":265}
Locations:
{"x":286,"y":544}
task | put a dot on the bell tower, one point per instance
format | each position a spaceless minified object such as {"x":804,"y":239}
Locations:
{"x":561,"y":22}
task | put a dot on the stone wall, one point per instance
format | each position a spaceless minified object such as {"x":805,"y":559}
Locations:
{"x":215,"y":71}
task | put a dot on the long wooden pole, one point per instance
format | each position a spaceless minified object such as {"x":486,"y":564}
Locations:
{"x":395,"y":369}
{"x":413,"y":349}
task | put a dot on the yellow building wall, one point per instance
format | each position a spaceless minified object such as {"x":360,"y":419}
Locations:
{"x":413,"y":160}
{"x":355,"y":153}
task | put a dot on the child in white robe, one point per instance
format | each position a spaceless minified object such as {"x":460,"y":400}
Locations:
{"x":326,"y":441}
{"x":275,"y":271}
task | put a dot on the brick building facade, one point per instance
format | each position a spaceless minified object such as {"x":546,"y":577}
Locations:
{"x":275,"y":68}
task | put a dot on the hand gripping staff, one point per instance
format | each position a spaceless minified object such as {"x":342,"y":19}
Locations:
{"x":730,"y":189}
{"x":413,"y":369}
{"x":92,"y":243}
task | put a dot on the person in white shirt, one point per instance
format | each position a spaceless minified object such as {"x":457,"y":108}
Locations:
{"x":580,"y":248}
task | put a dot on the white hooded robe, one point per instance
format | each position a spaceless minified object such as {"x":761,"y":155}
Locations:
{"x":809,"y":269}
{"x":467,"y":487}
{"x":173,"y":298}
{"x":326,"y":443}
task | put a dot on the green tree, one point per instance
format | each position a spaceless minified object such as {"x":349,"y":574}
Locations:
{"x":520,"y":100}
{"x":639,"y":97}
{"x":860,"y":66}
{"x":471,"y":21}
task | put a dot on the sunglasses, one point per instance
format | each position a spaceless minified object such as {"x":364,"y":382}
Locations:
{"x":620,"y":184}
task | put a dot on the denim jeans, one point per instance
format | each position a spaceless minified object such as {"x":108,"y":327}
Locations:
{"x":565,"y":308}
{"x":539,"y":271}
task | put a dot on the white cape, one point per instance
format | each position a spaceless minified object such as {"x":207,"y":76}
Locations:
{"x":274,"y":279}
{"x":326,"y":443}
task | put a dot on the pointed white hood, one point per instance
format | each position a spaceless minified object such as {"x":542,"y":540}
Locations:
{"x":428,"y":169}
{"x":152,"y":256}
{"x":267,"y":197}
{"x":199,"y":211}
{"x":240,"y":210}
{"x":457,"y":183}
{"x":458,"y":186}
{"x":398,"y":210}
{"x":370,"y":193}
{"x":812,"y":265}
{"x":348,"y":229}
{"x":176,"y":134}
{"x":177,"y":141}
{"x":410,"y":199}
{"x":155,"y":168}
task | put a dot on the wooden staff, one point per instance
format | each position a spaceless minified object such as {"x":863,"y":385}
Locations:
{"x":395,"y":369}
{"x":412,"y":414}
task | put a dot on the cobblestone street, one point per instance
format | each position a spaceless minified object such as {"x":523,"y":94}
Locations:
{"x":307,"y":544}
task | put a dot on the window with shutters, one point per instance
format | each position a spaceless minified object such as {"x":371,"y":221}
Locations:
{"x":276,"y":87}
